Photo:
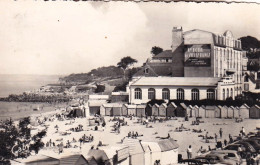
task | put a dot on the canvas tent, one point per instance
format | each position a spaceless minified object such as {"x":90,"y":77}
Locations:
{"x":244,"y":111}
{"x":100,"y":156}
{"x":162,"y":110}
{"x":140,"y":110}
{"x":189,"y":111}
{"x":106,"y":110}
{"x":254,"y":112}
{"x":170,"y":111}
{"x":155,"y":110}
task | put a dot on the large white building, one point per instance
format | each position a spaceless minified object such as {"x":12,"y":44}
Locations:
{"x":144,"y":89}
{"x":199,"y":62}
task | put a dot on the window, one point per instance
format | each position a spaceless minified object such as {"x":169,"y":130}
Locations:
{"x":180,"y":94}
{"x":231,"y":92}
{"x":167,"y":60}
{"x":151,"y":93}
{"x":227,"y":93}
{"x":211,"y":94}
{"x":165,"y":94}
{"x":146,"y":70}
{"x":195,"y":94}
{"x":246,"y":78}
{"x":224,"y":94}
{"x":138,"y":93}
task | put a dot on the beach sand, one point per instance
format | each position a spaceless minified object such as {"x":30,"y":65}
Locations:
{"x":184,"y":139}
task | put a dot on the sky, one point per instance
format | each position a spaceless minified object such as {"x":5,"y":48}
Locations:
{"x":59,"y":37}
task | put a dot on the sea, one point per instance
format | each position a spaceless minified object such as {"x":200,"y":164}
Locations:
{"x":17,"y":84}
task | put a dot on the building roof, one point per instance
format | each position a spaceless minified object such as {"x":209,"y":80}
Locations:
{"x":156,"y":105}
{"x":71,"y":159}
{"x":209,"y":107}
{"x":164,"y":54}
{"x":112,"y":105}
{"x":176,"y":81}
{"x":134,"y":145}
{"x":99,"y":155}
{"x":163,"y":105}
{"x":173,"y":104}
{"x":141,"y":106}
{"x":245,"y":105}
{"x":96,"y":103}
{"x":184,"y":106}
{"x":37,"y":158}
{"x":130,"y":105}
{"x":167,"y":145}
{"x":153,"y":146}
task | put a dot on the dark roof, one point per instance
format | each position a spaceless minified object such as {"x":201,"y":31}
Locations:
{"x":71,"y":160}
{"x":164,"y":54}
{"x":177,"y":81}
{"x":99,"y":155}
{"x":184,"y":106}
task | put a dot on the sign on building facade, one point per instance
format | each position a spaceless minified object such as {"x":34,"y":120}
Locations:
{"x":197,"y":55}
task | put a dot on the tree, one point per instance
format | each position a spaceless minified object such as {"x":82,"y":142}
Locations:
{"x":125,"y":63}
{"x":100,"y":88}
{"x":156,"y":50}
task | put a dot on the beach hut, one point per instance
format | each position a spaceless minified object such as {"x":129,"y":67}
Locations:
{"x":224,"y":111}
{"x":73,"y":160}
{"x":169,"y":151}
{"x":136,"y":152}
{"x":254,"y":112}
{"x":116,"y":109}
{"x":148,"y":110}
{"x":100,"y":156}
{"x":155,"y":110}
{"x":236,"y":112}
{"x":195,"y":111}
{"x":131,"y":109}
{"x":181,"y":110}
{"x":152,"y":152}
{"x":217,"y":112}
{"x":210,"y":111}
{"x":37,"y":159}
{"x":189,"y":111}
{"x":140,"y":110}
{"x":124,"y":109}
{"x":162,"y":110}
{"x":106,"y":110}
{"x":244,"y":111}
{"x":92,"y":161}
{"x":94,"y":106}
{"x":170,"y":111}
{"x":230,"y":112}
{"x":202,"y":111}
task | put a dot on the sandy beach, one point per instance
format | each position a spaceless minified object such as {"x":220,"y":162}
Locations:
{"x":184,"y":138}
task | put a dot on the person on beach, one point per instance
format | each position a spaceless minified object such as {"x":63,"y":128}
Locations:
{"x":200,"y":151}
{"x":206,"y":137}
{"x":220,"y":133}
{"x":216,"y":137}
{"x":189,"y":152}
{"x":225,"y":142}
{"x":243,"y":131}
